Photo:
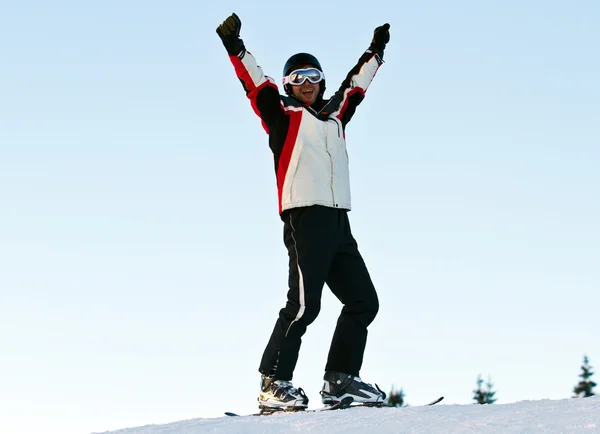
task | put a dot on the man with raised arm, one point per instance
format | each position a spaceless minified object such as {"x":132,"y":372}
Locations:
{"x":307,"y":137}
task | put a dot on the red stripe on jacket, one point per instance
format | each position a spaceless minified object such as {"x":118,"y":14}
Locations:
{"x":252,"y":90}
{"x":254,"y":94}
{"x":242,"y":73}
{"x":286,"y":153}
{"x":348,"y":95}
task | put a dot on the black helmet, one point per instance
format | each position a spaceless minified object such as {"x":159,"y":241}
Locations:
{"x":300,"y":59}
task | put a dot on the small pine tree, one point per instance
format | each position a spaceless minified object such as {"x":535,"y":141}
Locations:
{"x":584,"y":388}
{"x":479,"y":393}
{"x":396,"y":398}
{"x":481,"y":396}
{"x":489,"y":392}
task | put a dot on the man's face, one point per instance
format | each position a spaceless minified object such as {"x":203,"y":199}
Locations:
{"x":307,"y":92}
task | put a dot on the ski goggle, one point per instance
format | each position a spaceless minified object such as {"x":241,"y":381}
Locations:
{"x":299,"y":76}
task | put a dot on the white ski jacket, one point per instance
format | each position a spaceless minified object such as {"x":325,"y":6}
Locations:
{"x":308,"y":143}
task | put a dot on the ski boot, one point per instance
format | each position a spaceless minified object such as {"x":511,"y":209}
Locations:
{"x":279,"y":395}
{"x":342,"y":390}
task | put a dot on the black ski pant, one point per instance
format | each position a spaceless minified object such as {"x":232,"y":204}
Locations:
{"x":322,"y":250}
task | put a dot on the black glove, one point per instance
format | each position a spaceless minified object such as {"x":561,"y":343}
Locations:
{"x":229,"y":32}
{"x":381,"y":36}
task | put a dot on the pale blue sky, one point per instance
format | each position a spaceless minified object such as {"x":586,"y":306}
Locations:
{"x":141,"y":257}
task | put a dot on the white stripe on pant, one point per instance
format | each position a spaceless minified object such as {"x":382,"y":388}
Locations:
{"x":300,"y":283}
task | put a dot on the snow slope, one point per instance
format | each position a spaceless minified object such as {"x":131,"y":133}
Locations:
{"x":546,"y":416}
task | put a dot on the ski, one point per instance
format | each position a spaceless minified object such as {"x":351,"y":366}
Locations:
{"x":267,"y":412}
{"x":342,"y":405}
{"x":436,"y":401}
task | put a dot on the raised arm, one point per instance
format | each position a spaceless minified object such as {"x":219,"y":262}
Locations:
{"x":260,"y":89}
{"x":352,"y":91}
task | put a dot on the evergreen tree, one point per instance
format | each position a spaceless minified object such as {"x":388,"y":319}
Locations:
{"x":489,"y":392}
{"x":484,"y":396}
{"x":396,"y":398}
{"x":479,"y":393}
{"x":585,"y":387}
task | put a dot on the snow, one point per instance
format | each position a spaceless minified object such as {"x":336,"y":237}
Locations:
{"x":545,"y":416}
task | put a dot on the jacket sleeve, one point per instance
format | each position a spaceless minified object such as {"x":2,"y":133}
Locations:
{"x":260,"y":89}
{"x":352,"y":91}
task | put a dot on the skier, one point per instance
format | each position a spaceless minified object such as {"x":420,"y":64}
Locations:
{"x":307,"y":137}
